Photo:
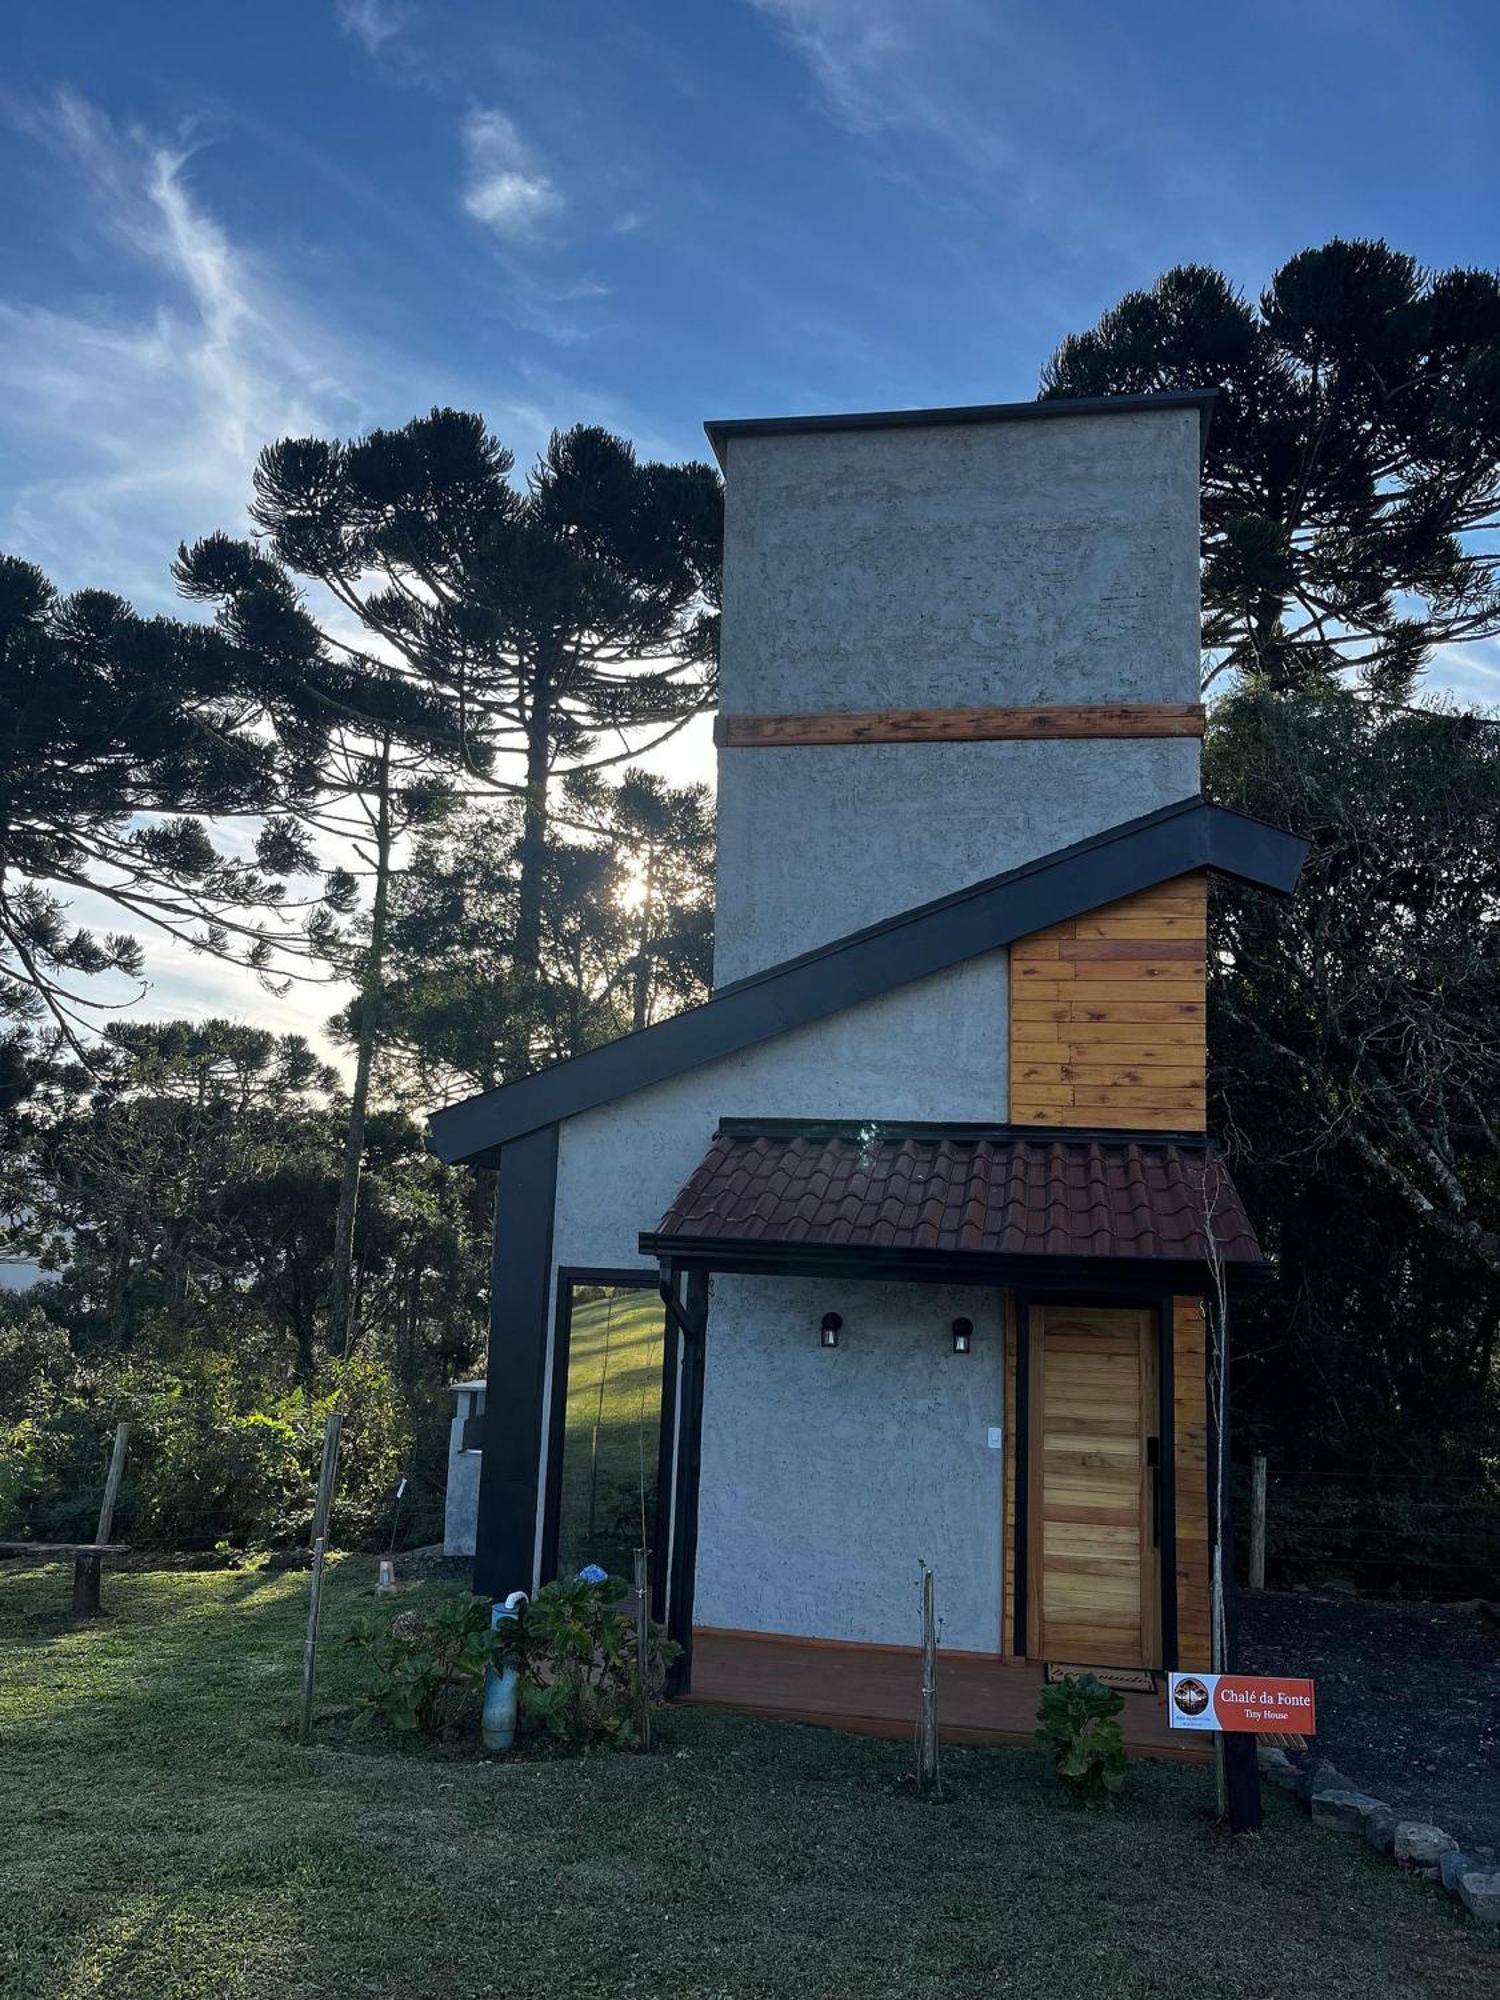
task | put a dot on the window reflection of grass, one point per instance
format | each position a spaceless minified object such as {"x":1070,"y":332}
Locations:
{"x":612,"y":1425}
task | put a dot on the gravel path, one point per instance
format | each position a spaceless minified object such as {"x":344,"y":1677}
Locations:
{"x":1408,"y":1698}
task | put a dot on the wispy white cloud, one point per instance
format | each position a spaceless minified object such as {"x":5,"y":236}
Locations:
{"x":854,"y":48}
{"x":373,"y":22}
{"x":995,"y":116}
{"x":505,"y":187}
{"x":132,"y":417}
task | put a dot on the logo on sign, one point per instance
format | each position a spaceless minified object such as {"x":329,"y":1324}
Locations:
{"x":1257,"y":1704}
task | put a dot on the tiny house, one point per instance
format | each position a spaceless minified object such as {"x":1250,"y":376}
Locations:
{"x":909,"y":1246}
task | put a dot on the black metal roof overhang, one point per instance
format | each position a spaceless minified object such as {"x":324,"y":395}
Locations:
{"x":914,"y":945}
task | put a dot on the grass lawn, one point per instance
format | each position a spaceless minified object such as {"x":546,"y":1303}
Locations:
{"x":164,"y":1837}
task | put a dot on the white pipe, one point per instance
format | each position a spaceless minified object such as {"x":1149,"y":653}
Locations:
{"x":500,"y":1690}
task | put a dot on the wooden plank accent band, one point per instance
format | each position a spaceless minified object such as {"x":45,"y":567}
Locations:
{"x":960,"y":725}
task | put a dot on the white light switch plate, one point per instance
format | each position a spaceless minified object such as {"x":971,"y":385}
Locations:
{"x":993,"y":1439}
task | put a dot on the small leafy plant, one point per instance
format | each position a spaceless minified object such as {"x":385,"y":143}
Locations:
{"x":1080,"y":1726}
{"x":429,"y":1665}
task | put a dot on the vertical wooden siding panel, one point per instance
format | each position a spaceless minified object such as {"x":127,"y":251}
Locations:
{"x":1008,"y":1439}
{"x":1107,"y":1015}
{"x":1190,"y":1410}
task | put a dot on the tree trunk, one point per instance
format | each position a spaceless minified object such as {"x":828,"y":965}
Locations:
{"x":641,"y":1009}
{"x":530,"y":890}
{"x":340,"y":1290}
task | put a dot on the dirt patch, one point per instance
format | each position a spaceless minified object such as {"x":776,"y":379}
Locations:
{"x":1408,"y":1698}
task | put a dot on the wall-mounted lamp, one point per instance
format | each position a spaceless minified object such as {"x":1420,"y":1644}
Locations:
{"x":828,"y":1331}
{"x":963,"y":1335}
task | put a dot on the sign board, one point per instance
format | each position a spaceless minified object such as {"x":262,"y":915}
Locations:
{"x":1262,"y":1704}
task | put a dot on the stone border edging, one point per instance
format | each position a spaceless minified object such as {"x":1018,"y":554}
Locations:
{"x":1421,"y":1849}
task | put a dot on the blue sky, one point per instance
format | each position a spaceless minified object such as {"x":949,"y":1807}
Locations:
{"x":226,"y":222}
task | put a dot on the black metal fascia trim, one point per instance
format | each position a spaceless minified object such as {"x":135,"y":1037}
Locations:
{"x":1144,"y":1278}
{"x":720,"y":430}
{"x":914,"y":945}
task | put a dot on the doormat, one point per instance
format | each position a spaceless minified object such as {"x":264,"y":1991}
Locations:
{"x":1126,"y":1680}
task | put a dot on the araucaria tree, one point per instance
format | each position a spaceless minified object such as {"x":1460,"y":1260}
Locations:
{"x":572,"y":623}
{"x":1351,"y":489}
{"x":482,"y":638}
{"x":387,"y":744}
{"x":626,"y":934}
{"x":129,"y":745}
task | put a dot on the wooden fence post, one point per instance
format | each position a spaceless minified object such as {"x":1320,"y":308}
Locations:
{"x":86,"y":1568}
{"x":1258,"y":1521}
{"x":642,"y":1652}
{"x":321,"y":1513}
{"x":112,"y":1483}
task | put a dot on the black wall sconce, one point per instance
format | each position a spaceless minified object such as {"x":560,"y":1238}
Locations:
{"x":828,"y":1331}
{"x":963,"y":1336}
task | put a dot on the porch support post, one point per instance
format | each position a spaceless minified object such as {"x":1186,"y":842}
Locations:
{"x":1241,"y":1767}
{"x":673,"y":1348}
{"x":510,"y":1497}
{"x":1020,"y":1560}
{"x":690,"y":1315}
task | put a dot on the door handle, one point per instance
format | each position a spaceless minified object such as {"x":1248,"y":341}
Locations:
{"x":1153,"y":1465}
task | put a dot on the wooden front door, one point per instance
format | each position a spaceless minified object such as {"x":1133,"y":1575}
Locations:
{"x":1093,"y":1564}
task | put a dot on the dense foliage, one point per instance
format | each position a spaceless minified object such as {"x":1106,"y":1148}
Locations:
{"x":1355,"y":1072}
{"x":183,"y":1198}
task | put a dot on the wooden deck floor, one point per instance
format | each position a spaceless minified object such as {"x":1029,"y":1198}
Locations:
{"x":872,"y":1691}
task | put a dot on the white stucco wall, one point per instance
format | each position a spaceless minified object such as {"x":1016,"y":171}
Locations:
{"x":828,"y":1474}
{"x":945,"y":567}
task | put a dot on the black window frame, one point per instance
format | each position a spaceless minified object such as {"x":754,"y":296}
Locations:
{"x":622,"y":1278}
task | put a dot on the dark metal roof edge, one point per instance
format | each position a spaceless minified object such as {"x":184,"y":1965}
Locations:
{"x":719,"y":430}
{"x":1118,"y":861}
{"x":746,"y":1254}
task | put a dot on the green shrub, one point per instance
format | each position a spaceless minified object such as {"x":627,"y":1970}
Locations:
{"x":580,"y":1686}
{"x":429,"y":1665}
{"x":1079,"y":1725}
{"x":581,"y":1682}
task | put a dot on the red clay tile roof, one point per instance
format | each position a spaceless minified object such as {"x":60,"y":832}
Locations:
{"x":961,"y":1196}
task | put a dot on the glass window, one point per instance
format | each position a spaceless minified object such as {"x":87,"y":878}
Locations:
{"x":611,"y":1426}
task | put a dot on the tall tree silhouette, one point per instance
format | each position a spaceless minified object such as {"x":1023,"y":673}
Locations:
{"x":1351,"y":489}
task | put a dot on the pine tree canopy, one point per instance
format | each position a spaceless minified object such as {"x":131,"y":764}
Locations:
{"x":129,"y":741}
{"x":1351,"y":490}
